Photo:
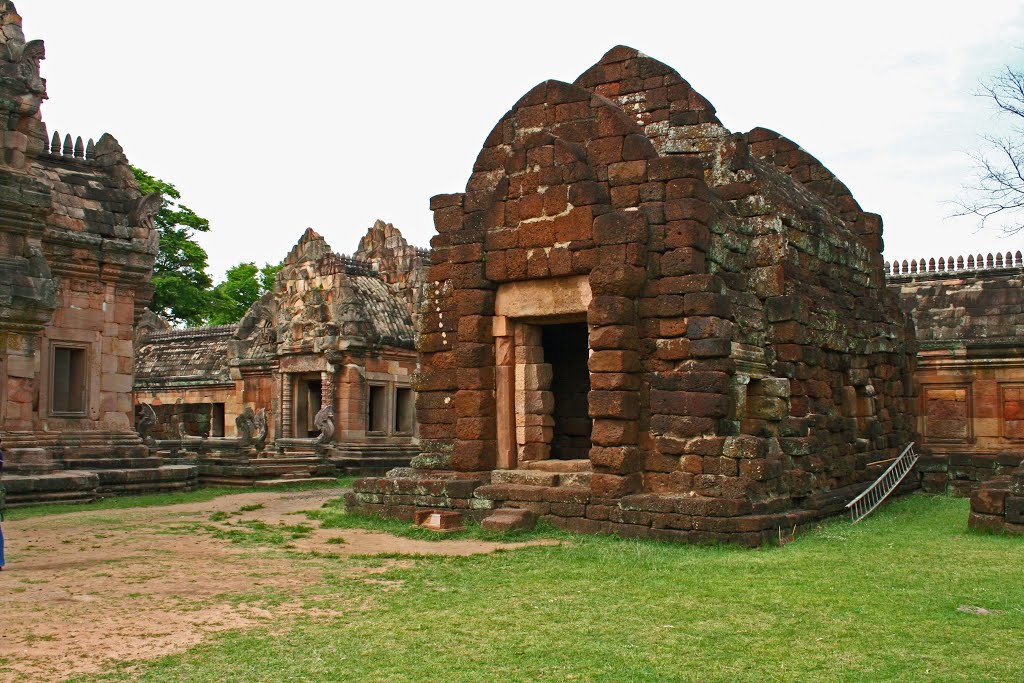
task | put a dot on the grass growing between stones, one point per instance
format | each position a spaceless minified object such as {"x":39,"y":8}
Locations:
{"x":878,"y":601}
{"x":159,"y":499}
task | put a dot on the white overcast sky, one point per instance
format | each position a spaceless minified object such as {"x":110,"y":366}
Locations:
{"x":273,"y":116}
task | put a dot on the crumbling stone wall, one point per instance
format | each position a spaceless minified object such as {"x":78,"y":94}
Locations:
{"x":998,"y":504}
{"x":745,"y":355}
{"x":969,"y":315}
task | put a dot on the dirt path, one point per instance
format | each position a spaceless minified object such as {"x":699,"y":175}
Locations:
{"x":84,"y":590}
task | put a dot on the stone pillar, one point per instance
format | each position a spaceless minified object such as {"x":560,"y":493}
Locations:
{"x":505,"y":386}
{"x":287,"y":430}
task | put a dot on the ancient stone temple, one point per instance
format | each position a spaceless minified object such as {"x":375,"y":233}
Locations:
{"x":324,"y":361}
{"x":77,"y":245}
{"x":644,"y":323}
{"x":969,"y":315}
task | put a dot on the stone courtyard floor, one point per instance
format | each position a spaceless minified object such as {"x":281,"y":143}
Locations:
{"x":85,"y":590}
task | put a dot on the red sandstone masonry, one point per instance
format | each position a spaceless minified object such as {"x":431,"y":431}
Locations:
{"x":747,"y":363}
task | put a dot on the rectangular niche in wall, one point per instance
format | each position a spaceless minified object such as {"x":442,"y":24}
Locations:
{"x":1011,"y":400}
{"x":947,"y":413}
{"x":68,"y":382}
{"x":405,"y":410}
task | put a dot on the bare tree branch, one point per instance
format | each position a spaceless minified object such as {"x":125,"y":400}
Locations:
{"x":996,"y":192}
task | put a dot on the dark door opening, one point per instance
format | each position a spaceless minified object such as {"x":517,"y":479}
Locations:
{"x":308,"y":395}
{"x":566,"y":349}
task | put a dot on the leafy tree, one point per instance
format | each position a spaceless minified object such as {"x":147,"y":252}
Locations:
{"x":182,"y":285}
{"x":997,"y":193}
{"x":242,"y":286}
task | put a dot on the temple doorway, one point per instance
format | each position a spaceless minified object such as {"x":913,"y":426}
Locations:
{"x":566,"y":351}
{"x":308,"y":399}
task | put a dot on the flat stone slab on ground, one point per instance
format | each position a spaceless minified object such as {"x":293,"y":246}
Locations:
{"x":509,"y":519}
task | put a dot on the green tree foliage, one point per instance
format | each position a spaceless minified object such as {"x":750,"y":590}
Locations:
{"x":182,"y":285}
{"x":243,"y":285}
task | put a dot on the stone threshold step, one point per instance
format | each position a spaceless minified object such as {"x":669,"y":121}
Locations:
{"x":541,"y":478}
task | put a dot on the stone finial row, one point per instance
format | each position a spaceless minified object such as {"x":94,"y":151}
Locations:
{"x":75,"y":150}
{"x":354,"y":265}
{"x":979,"y":262}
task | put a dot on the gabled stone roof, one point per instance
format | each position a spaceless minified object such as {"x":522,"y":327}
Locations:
{"x":186,"y":357}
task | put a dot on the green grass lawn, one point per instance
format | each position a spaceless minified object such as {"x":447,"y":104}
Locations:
{"x":873,"y":602}
{"x":158,"y":499}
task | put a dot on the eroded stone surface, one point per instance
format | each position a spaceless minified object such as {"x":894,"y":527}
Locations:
{"x":745,"y":360}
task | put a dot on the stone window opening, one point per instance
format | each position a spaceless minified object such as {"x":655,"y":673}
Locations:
{"x":377,"y":409}
{"x":405,"y":411}
{"x":217,"y":419}
{"x":68,"y":381}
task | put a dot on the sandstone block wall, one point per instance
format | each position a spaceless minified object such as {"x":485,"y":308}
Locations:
{"x":969,"y":315}
{"x":743,"y":347}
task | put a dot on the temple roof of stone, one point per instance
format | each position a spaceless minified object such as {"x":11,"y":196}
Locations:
{"x":323,"y":300}
{"x":188,"y":357}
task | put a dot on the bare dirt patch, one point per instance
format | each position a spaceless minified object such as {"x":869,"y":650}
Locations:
{"x":85,"y":590}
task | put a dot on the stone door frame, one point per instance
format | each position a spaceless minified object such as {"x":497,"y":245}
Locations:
{"x":520,"y":309}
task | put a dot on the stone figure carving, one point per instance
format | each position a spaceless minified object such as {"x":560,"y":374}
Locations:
{"x":146,"y":423}
{"x":37,"y":265}
{"x":245,"y":424}
{"x":260,"y":432}
{"x":252,"y":427}
{"x":324,"y":421}
{"x":142,"y":213}
{"x":28,"y":58}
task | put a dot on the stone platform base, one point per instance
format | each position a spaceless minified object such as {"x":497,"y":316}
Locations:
{"x":998,"y":504}
{"x":370,"y":459}
{"x":571,"y":505}
{"x":76,"y":486}
{"x":255,"y":469}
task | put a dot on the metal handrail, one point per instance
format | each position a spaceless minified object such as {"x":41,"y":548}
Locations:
{"x":874,"y":495}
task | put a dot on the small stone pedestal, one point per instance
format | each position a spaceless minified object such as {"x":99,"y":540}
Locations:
{"x":438,"y":520}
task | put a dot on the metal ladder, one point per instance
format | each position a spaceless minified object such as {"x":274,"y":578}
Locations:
{"x":874,"y":495}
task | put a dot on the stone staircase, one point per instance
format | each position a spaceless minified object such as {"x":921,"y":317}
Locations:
{"x":543,"y":487}
{"x":369,"y":460}
{"x":84,"y":470}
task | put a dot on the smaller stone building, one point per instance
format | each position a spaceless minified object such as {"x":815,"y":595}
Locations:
{"x":969,"y":316}
{"x":644,"y":323}
{"x":327,"y":356}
